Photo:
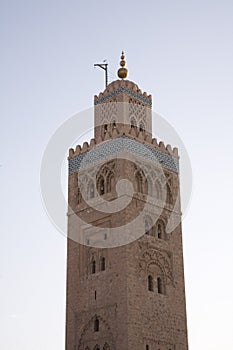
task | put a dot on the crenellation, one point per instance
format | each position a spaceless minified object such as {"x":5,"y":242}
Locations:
{"x":162,"y":146}
{"x":169,"y":148}
{"x":175,"y":152}
{"x":78,"y":149}
{"x":92,"y":143}
{"x":155,"y":142}
{"x":71,"y":153}
{"x":85,"y":147}
{"x":148,"y":139}
{"x":117,"y":87}
{"x":131,"y":133}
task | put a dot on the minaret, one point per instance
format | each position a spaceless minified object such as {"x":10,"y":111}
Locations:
{"x":125,"y":275}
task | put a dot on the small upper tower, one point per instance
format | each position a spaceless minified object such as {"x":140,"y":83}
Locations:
{"x":123,"y":108}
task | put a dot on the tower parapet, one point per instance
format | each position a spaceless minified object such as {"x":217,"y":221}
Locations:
{"x":153,"y":145}
{"x":126,"y":89}
{"x":123,"y":106}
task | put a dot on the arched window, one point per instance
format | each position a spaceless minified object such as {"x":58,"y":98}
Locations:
{"x":141,"y":127}
{"x":132,"y":123}
{"x":147,"y":347}
{"x":150,"y":283}
{"x":158,"y":190}
{"x":147,"y":227}
{"x":79,"y":196}
{"x":160,"y":285}
{"x":93,"y":267}
{"x":102,"y":264}
{"x":105,"y":128}
{"x":96,"y":325}
{"x":109,"y":181}
{"x":169,"y":195}
{"x":149,"y":187}
{"x":139,"y":182}
{"x":114,"y":124}
{"x":105,"y":180}
{"x":159,"y":231}
{"x":101,"y":186}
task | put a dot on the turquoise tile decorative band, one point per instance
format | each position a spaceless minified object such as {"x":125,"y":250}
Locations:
{"x":128,"y":92}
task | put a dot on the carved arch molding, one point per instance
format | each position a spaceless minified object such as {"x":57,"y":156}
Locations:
{"x":162,"y":259}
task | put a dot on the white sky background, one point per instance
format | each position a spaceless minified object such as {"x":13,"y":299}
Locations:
{"x":179,"y":51}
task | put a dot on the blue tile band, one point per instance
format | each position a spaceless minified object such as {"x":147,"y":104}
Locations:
{"x":128,"y":92}
{"x":113,"y":147}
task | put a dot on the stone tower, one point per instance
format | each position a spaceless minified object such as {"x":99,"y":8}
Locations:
{"x":125,"y":276}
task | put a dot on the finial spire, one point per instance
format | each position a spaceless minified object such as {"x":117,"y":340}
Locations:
{"x":122,"y":72}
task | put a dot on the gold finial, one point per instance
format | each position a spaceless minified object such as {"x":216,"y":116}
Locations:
{"x":122,"y":72}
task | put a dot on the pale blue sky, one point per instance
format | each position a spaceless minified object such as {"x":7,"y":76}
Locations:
{"x":179,"y":51}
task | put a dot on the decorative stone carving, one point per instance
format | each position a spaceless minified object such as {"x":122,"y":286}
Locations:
{"x":108,"y":112}
{"x":162,"y":259}
{"x":138,"y":112}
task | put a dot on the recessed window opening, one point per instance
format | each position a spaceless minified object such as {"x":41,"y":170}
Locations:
{"x":169,"y":195}
{"x":160,"y":285}
{"x":150,"y":283}
{"x":102,"y":264}
{"x":96,"y":325}
{"x":102,"y":189}
{"x":139,"y":182}
{"x":147,"y":227}
{"x":159,"y":231}
{"x":93,"y":267}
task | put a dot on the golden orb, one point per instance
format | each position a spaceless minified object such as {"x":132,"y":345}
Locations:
{"x":122,"y":72}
